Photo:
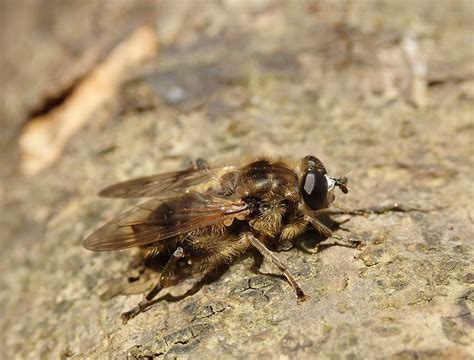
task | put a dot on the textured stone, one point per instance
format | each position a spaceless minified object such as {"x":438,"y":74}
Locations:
{"x":269,"y":77}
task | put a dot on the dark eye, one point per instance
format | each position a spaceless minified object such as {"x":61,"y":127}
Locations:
{"x":314,"y":189}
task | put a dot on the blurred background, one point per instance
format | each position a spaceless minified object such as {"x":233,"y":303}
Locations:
{"x":95,"y":92}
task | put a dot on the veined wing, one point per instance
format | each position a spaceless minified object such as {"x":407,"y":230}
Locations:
{"x":161,"y":185}
{"x":157,"y":220}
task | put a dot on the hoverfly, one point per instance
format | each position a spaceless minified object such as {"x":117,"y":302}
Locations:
{"x":213,"y":214}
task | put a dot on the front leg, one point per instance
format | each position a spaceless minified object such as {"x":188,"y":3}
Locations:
{"x":346,"y":242}
{"x":297,"y":227}
{"x":319,"y":226}
{"x":338,"y":240}
{"x":290,"y":232}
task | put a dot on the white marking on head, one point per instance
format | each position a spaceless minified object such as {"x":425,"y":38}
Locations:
{"x":331,"y":183}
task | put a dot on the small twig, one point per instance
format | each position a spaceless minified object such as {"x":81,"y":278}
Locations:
{"x":418,"y":70}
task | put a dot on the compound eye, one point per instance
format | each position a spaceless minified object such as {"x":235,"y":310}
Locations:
{"x":314,"y":189}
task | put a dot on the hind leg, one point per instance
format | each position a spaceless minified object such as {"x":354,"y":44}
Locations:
{"x":164,"y":277}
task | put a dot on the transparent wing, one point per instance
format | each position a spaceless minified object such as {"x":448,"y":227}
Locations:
{"x":157,"y":220}
{"x":165,"y":185}
{"x":162,"y":185}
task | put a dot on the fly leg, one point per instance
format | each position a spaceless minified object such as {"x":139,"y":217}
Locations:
{"x":338,"y":240}
{"x":199,"y":164}
{"x":270,"y":256}
{"x":319,"y":226}
{"x":165,"y":275}
{"x":347,"y":242}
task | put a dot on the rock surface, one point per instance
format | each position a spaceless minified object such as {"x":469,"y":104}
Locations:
{"x":382,"y":90}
